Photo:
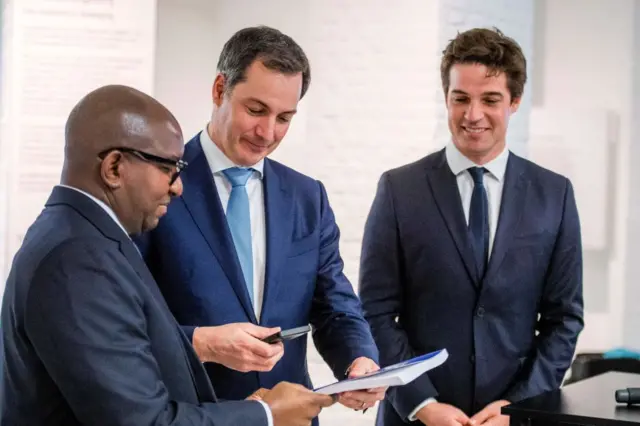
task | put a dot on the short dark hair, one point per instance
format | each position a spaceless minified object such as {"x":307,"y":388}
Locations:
{"x":276,"y":51}
{"x":491,"y":48}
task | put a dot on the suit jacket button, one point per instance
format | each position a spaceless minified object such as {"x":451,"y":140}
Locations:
{"x":472,"y":358}
{"x":480,"y":311}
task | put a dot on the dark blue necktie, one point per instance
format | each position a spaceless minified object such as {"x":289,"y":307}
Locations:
{"x":479,"y":219}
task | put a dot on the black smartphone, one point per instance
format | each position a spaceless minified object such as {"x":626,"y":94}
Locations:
{"x":290,"y":334}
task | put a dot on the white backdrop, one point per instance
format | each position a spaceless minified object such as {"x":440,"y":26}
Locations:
{"x":54,"y":52}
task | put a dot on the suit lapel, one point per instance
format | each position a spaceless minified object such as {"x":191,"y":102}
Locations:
{"x":279,"y":224}
{"x":512,"y":204}
{"x":201,"y":199}
{"x":445,"y":191}
{"x":96,"y":215}
{"x":201,"y":383}
{"x":128,"y":249}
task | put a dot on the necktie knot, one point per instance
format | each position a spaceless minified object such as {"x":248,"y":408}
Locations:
{"x":238,"y":176}
{"x":477,"y":173}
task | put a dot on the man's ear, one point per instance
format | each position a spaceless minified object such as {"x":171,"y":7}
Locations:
{"x":515,"y":104}
{"x":111,"y":169}
{"x":218,"y":89}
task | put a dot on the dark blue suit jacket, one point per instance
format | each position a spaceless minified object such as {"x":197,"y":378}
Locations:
{"x":420,"y":291}
{"x":88,"y":338}
{"x":192,"y":257}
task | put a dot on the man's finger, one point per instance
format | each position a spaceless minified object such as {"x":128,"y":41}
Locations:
{"x":323,"y":400}
{"x":262,"y":366}
{"x":349,"y":402}
{"x":275,"y":358}
{"x":260,"y":332}
{"x":252,"y":362}
{"x":257,"y":395}
{"x":278,"y":349}
{"x":481,"y":417}
{"x":357,"y":370}
{"x":266,"y":364}
{"x":496,"y":421}
{"x":275,"y":350}
{"x":364,"y":396}
{"x":262,"y":349}
{"x":362,"y":366}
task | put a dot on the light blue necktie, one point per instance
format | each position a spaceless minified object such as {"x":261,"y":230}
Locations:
{"x":239,"y":220}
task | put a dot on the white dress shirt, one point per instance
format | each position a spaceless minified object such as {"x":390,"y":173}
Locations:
{"x":111,"y":213}
{"x":217,"y":163}
{"x":493,"y":183}
{"x":105,"y":207}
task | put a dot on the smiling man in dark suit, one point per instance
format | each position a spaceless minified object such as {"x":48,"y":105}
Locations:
{"x":475,"y":250}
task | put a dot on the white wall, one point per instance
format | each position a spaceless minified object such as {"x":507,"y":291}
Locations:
{"x":631,"y":326}
{"x":53,"y":53}
{"x":587,"y":54}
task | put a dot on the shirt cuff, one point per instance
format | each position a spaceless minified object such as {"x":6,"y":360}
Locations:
{"x":268,"y":411}
{"x":414,"y":413}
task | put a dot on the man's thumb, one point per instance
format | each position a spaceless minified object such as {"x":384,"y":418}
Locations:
{"x":325,"y":400}
{"x":262,"y":332}
{"x":478,"y":418}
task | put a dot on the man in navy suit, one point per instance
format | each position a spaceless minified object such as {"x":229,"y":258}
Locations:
{"x":88,"y":338}
{"x":475,"y":250}
{"x":251,"y":247}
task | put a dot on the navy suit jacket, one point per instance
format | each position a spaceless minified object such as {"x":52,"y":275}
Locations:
{"x":88,"y":339}
{"x":193,"y":259}
{"x":420,"y":290}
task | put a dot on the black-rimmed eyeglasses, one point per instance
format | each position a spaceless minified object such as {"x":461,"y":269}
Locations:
{"x":179,"y":165}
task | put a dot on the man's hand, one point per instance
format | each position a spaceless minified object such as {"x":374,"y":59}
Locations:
{"x":238,"y":346}
{"x":439,"y":414}
{"x":490,"y":415}
{"x":294,"y":405}
{"x":361,"y":400}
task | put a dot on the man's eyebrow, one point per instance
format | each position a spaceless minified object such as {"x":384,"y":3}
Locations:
{"x":258,"y":101}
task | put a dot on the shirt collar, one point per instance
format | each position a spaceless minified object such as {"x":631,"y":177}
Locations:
{"x":459,"y":163}
{"x":104,"y":206}
{"x":216,"y":158}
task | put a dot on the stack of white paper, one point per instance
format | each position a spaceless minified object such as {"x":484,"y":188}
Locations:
{"x":394,"y":375}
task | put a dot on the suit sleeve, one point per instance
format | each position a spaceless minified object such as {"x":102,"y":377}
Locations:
{"x":89,"y":330}
{"x":381,"y":282}
{"x":341,"y":332}
{"x":561,"y":311}
{"x":144,"y":242}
